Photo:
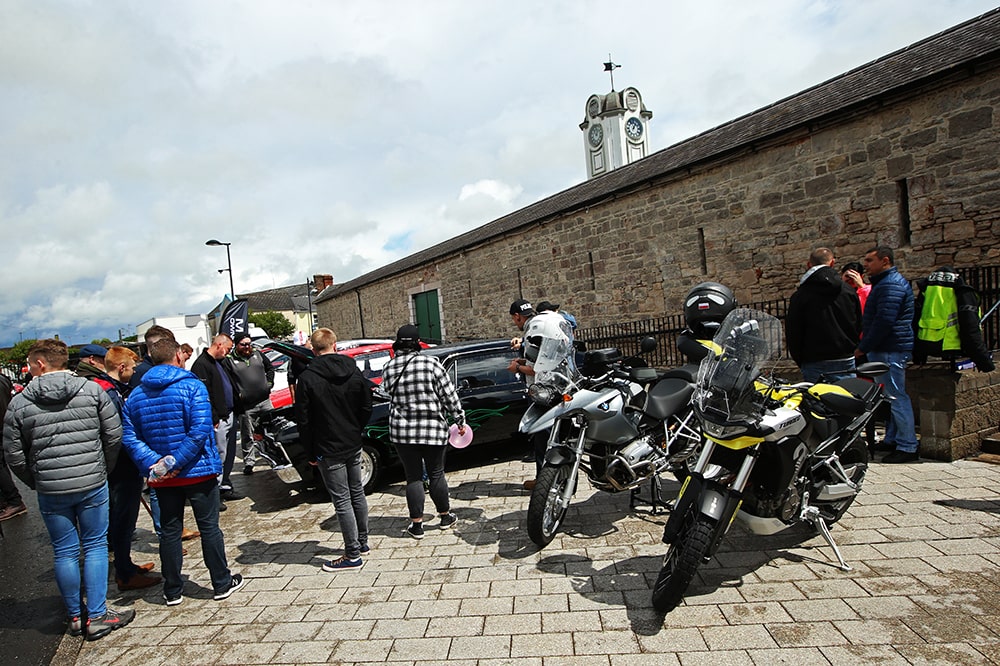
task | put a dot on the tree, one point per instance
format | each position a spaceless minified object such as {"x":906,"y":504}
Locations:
{"x":19,"y":352}
{"x":275,"y":324}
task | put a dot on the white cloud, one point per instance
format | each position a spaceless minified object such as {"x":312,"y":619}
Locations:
{"x":336,"y":137}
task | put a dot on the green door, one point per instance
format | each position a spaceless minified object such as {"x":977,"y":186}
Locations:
{"x":425,"y":306}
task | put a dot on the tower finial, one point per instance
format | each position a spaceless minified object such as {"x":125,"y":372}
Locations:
{"x":610,"y":67}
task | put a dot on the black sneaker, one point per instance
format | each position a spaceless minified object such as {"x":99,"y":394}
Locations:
{"x":173,"y":601}
{"x":884,"y":447}
{"x":415,"y":530}
{"x":447,"y":521}
{"x":76,"y":626}
{"x":235,"y":584}
{"x":248,"y":470}
{"x":897,"y":457}
{"x":231,"y":495}
{"x":222,"y":507}
{"x":99,"y":627}
{"x":365,"y":549}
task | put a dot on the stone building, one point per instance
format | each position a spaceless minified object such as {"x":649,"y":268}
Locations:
{"x":901,"y":151}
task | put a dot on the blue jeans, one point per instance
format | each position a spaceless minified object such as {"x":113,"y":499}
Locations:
{"x":78,"y":521}
{"x":415,"y":459}
{"x":343,"y":482}
{"x":204,"y":499}
{"x":900,"y":430}
{"x":830,"y":371}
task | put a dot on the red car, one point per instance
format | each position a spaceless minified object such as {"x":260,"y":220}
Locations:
{"x":371,"y":357}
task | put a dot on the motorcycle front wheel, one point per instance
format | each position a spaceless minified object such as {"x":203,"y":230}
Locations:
{"x":546,"y":509}
{"x":680,"y":564}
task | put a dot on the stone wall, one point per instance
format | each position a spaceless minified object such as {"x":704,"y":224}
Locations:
{"x":919,"y":174}
{"x":954,"y":410}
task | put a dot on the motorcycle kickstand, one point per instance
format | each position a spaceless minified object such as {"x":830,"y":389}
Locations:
{"x":811,"y":514}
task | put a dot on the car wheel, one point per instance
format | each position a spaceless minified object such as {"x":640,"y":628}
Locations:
{"x":371,"y":467}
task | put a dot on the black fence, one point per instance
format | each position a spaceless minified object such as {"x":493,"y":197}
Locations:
{"x":626,"y":336}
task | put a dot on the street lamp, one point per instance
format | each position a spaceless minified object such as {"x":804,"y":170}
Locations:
{"x":229,"y":263}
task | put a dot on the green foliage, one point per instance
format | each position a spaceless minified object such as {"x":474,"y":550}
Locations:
{"x":275,"y":324}
{"x":18,"y":353}
{"x":104,"y":342}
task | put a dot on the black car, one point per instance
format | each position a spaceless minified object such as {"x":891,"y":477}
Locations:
{"x":494,"y":400}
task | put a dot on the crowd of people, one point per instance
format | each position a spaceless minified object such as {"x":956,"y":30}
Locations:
{"x":87,"y":441}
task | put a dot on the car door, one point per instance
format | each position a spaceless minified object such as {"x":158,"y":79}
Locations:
{"x":493,"y":398}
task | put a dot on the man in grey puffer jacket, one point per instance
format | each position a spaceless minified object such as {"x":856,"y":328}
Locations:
{"x":61,"y":435}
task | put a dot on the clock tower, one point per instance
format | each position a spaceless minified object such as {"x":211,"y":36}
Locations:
{"x":615,"y":130}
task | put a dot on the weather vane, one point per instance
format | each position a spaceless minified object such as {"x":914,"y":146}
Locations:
{"x":610,"y":67}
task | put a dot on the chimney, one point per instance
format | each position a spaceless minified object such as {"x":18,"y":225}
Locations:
{"x":322,"y":281}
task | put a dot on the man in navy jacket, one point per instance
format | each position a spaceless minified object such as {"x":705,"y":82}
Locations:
{"x":887,"y":337}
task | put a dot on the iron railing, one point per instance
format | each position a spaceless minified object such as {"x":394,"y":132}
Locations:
{"x":626,"y":336}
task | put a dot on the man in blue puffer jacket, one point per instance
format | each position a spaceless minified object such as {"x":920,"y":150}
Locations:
{"x":887,"y":337}
{"x":169,"y":414}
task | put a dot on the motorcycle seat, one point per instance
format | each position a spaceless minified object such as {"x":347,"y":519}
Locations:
{"x":668,"y":397}
{"x":687,"y":372}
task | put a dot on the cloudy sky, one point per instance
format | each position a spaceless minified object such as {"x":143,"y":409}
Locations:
{"x":335,"y":137}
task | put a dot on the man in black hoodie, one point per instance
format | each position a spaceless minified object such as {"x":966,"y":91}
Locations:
{"x":333,"y":402}
{"x":823,"y":323}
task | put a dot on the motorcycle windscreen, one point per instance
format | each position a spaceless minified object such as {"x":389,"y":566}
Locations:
{"x":748,"y":343}
{"x":548,"y":343}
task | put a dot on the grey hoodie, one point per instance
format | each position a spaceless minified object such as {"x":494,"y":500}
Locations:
{"x":62,"y":434}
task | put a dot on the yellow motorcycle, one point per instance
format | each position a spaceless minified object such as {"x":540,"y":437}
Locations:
{"x":774,"y":454}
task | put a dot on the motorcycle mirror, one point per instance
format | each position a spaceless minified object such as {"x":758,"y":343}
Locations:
{"x":647,"y":344}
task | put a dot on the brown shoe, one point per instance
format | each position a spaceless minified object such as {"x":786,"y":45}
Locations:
{"x":12,"y":510}
{"x":146,"y":568}
{"x":529,"y":484}
{"x":137,"y":582}
{"x":187,"y":535}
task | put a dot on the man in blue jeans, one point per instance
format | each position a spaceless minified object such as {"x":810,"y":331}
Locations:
{"x":333,"y":402}
{"x":887,"y":337}
{"x":61,"y":435}
{"x":169,"y":415}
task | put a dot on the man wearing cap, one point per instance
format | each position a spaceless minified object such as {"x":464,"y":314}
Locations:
{"x":547,"y":306}
{"x":555,"y":332}
{"x":91,"y":364}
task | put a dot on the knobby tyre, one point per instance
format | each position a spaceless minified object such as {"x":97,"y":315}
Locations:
{"x":545,"y":510}
{"x":680,"y":564}
{"x":855,"y":462}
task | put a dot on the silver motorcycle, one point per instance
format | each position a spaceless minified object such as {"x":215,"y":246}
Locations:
{"x":618,"y":422}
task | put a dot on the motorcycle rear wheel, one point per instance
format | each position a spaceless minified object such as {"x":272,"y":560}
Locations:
{"x":855,"y":455}
{"x":680,"y":564}
{"x":545,"y":510}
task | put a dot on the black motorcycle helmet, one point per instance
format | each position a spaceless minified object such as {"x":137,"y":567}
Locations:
{"x":705,"y":306}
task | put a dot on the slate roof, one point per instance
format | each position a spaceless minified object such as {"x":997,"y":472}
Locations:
{"x":281,"y":299}
{"x":961,"y":48}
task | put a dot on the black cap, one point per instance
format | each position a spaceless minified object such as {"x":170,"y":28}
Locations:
{"x":408,"y":333}
{"x":522,"y":307}
{"x":546,"y":306}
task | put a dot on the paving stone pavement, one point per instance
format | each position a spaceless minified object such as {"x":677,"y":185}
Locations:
{"x":923,"y":540}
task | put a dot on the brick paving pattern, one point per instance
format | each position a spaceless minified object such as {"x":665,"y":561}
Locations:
{"x":923,"y":539}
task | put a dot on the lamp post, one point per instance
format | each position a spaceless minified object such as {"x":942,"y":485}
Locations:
{"x":229,"y":263}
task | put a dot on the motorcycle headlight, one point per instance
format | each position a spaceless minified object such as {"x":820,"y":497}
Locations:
{"x":722,"y":432}
{"x":545,"y":395}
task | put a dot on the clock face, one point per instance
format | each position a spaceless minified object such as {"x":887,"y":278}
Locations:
{"x":633,"y":128}
{"x":595,"y":135}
